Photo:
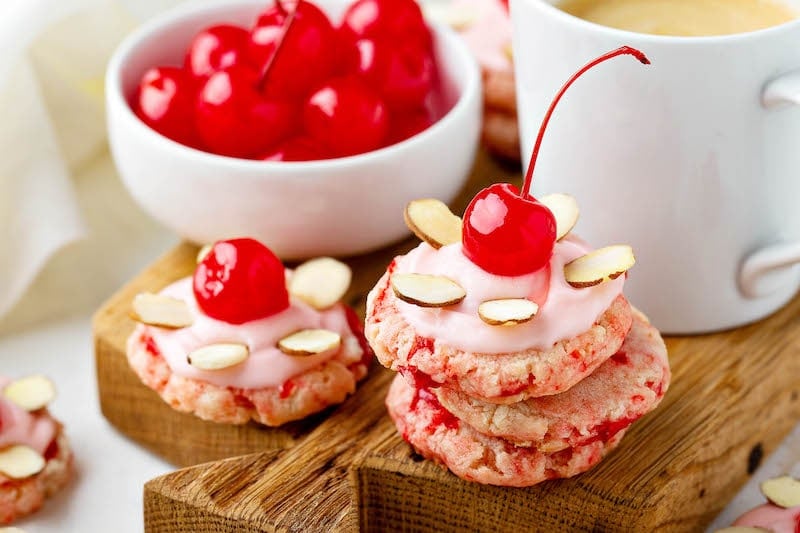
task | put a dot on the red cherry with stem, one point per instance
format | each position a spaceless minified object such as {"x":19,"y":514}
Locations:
{"x":216,"y":48}
{"x":300,"y":148}
{"x":346,"y":116}
{"x":512,"y":234}
{"x":164,"y":101}
{"x":395,"y":20}
{"x":308,"y":48}
{"x":402,"y":72}
{"x":240,"y":280}
{"x":233,"y":118}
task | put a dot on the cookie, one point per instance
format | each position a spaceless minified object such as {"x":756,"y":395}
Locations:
{"x":493,"y":377}
{"x":21,"y":497}
{"x":309,"y":392}
{"x":624,"y":388}
{"x":438,"y":435}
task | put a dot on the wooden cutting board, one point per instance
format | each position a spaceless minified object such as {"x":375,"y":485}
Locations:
{"x":733,"y":398}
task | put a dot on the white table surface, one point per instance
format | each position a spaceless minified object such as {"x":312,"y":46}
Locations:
{"x":111,"y":470}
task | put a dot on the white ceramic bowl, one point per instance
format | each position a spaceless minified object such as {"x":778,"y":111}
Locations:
{"x":335,"y":207}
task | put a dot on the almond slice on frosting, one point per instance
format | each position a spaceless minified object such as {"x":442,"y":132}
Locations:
{"x":426,"y":290}
{"x":433,"y":222}
{"x":31,"y":393}
{"x":508,"y":311}
{"x":203,"y":252}
{"x":309,"y":342}
{"x":599,"y":265}
{"x":565,"y":210}
{"x":161,"y":311}
{"x":783,"y":491}
{"x":320,"y":282}
{"x":20,"y":461}
{"x":218,"y":356}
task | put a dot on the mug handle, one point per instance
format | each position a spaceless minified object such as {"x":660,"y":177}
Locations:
{"x":779,"y":92}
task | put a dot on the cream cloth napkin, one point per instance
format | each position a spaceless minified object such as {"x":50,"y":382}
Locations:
{"x":51,"y":122}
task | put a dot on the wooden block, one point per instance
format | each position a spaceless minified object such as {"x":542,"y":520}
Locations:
{"x":734,"y":397}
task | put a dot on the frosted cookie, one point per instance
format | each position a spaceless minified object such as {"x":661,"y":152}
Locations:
{"x":438,"y":435}
{"x":35,"y":457}
{"x":627,"y":386}
{"x":780,"y":515}
{"x":547,"y":355}
{"x":244,"y":339}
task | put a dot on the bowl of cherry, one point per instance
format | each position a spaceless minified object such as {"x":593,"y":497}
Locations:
{"x":307,"y":124}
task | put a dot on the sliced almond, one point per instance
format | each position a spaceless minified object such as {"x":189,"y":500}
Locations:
{"x":309,"y":342}
{"x":507,"y":312}
{"x":320,"y":282}
{"x":783,"y":491}
{"x":218,"y":356}
{"x":509,"y":51}
{"x":433,"y":222}
{"x":598,"y":266}
{"x":426,"y":290}
{"x":458,"y":19}
{"x":11,"y":530}
{"x":31,"y":393}
{"x":161,"y":311}
{"x":565,"y":210}
{"x":203,"y":252}
{"x":20,"y":461}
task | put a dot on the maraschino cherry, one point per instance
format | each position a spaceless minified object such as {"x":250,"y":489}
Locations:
{"x":165,"y":102}
{"x":507,"y":232}
{"x":298,"y":148}
{"x":240,"y":280}
{"x":347,"y":116}
{"x":308,"y":48}
{"x":396,"y":20}
{"x":216,"y":48}
{"x":233,"y":118}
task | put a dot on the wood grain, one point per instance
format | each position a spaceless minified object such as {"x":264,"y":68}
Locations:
{"x":734,"y":397}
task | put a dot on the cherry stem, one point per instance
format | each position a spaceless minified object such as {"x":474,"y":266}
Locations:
{"x":262,"y":80}
{"x":526,"y":189}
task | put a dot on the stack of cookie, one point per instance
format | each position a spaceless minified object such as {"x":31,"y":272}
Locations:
{"x":485,"y":26}
{"x":512,"y":380}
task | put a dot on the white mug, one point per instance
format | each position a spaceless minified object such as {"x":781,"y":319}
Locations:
{"x":694,"y":160}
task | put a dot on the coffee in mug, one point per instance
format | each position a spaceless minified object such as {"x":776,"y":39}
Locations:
{"x":687,"y":18}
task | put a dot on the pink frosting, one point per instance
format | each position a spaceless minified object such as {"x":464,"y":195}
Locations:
{"x":18,"y":426}
{"x":489,"y":34}
{"x":267,"y":366}
{"x":772,"y":518}
{"x":564,"y":312}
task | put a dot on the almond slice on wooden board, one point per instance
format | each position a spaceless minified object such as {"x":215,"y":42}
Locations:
{"x":30,"y":393}
{"x":20,"y":461}
{"x":783,"y":491}
{"x":599,"y":265}
{"x":565,"y":210}
{"x":320,"y":282}
{"x":309,"y":342}
{"x":427,"y":290}
{"x":507,"y":311}
{"x":433,"y":222}
{"x":203,"y":252}
{"x":218,"y":356}
{"x":161,"y":311}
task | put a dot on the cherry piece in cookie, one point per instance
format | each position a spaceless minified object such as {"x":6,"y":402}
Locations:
{"x":302,"y":58}
{"x":216,"y":48}
{"x":165,"y":102}
{"x":510,"y":233}
{"x":346,"y":116}
{"x":233,"y":118}
{"x":240,"y":280}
